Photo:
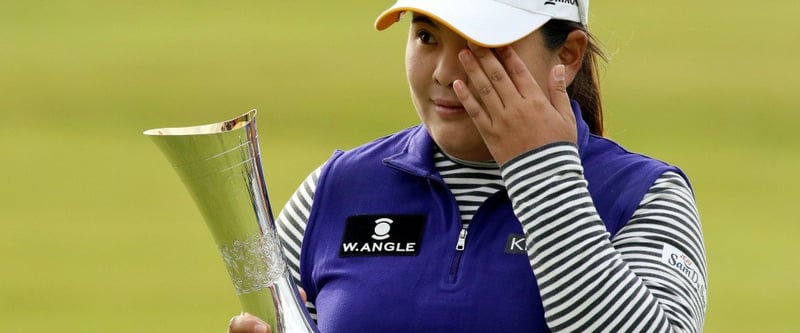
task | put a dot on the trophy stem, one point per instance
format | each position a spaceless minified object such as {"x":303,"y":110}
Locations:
{"x":285,"y":313}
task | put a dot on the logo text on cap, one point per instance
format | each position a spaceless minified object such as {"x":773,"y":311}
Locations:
{"x":553,"y":2}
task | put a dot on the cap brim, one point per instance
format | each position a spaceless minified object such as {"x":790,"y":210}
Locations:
{"x":486,"y":23}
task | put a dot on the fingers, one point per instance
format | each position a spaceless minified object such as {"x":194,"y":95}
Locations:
{"x":470,"y":103}
{"x":558,"y":92}
{"x":498,"y":75}
{"x":247,"y":323}
{"x":521,"y":77}
{"x":483,"y":86}
{"x":489,"y":75}
{"x":303,"y":295}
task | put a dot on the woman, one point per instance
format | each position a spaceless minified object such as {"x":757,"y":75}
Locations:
{"x":505,"y":210}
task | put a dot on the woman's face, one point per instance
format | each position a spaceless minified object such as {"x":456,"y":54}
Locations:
{"x":431,"y":67}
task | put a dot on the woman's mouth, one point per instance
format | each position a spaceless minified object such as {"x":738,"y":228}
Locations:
{"x":448,"y":107}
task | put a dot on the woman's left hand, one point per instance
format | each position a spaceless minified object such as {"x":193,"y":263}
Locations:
{"x":510,"y":110}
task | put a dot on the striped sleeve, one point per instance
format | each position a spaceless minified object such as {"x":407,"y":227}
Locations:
{"x":291,"y":225}
{"x":650,"y":278}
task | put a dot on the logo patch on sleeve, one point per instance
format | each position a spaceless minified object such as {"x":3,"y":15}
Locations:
{"x":382,"y":235}
{"x":679,"y":261}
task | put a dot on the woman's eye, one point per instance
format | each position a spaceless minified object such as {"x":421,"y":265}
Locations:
{"x":425,"y":37}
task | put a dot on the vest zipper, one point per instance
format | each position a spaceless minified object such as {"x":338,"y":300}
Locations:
{"x":462,"y":241}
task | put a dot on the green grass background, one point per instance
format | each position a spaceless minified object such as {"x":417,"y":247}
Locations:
{"x":98,"y":234}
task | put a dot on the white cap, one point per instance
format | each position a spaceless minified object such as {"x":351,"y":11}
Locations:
{"x":490,"y":23}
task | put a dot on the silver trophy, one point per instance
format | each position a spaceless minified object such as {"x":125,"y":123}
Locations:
{"x":220,"y":165}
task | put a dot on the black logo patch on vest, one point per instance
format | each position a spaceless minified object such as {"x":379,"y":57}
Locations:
{"x":382,"y":235}
{"x":516,"y":244}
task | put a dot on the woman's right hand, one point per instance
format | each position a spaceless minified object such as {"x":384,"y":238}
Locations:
{"x":247,"y":323}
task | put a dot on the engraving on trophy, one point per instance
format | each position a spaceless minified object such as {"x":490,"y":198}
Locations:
{"x":253,"y":263}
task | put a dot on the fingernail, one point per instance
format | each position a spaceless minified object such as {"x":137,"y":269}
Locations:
{"x":260,"y":328}
{"x":464,"y":56}
{"x":560,"y":76}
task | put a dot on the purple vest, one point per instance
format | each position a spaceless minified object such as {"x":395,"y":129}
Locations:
{"x":379,"y":253}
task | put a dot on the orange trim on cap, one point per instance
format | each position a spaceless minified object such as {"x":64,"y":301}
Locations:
{"x":392,"y":15}
{"x":387,"y":18}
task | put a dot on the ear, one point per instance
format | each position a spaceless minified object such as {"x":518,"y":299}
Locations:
{"x":572,"y":52}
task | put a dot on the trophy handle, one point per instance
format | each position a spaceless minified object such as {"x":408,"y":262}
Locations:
{"x":220,"y":165}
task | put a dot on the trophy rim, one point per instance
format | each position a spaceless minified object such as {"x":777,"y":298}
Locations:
{"x":206,"y":129}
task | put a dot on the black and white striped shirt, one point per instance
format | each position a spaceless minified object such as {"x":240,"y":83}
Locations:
{"x":588,"y":281}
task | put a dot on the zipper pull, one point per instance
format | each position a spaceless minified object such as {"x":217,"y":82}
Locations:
{"x":462,"y":239}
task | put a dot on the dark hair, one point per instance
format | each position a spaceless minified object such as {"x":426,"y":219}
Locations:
{"x":585,"y":89}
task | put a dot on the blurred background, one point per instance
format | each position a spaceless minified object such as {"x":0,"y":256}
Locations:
{"x":98,"y":234}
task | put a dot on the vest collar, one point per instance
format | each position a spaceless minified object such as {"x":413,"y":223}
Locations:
{"x":416,"y":157}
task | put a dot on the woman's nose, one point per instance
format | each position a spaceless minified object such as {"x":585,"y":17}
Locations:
{"x":449,"y":68}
